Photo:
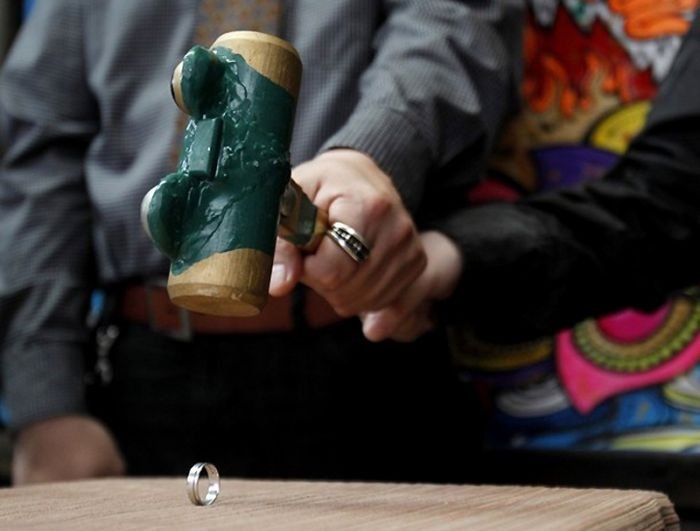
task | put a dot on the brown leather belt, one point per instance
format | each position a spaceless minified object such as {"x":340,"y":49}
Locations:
{"x":150,"y":305}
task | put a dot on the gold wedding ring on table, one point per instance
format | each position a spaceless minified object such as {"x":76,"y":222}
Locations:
{"x":193,"y":484}
{"x":349,"y":240}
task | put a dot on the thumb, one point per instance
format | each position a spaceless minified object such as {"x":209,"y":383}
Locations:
{"x":286,"y":268}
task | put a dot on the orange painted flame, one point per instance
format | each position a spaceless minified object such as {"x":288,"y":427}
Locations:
{"x":564,"y":65}
{"x":651,"y":19}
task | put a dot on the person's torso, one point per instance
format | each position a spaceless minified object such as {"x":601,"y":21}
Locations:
{"x":628,"y":380}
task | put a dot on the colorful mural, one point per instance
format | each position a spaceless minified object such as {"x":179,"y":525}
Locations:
{"x":625,"y":381}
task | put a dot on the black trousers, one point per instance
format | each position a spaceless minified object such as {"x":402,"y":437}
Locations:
{"x":317,"y":404}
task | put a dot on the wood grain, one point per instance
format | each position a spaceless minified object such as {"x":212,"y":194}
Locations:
{"x":261,"y":505}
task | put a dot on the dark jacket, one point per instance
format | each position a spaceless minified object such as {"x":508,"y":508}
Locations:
{"x":628,"y":239}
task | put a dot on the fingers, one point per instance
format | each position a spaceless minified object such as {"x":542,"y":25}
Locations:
{"x":398,"y":265}
{"x":351,"y":288}
{"x":286,"y":268}
{"x":406,"y":320}
{"x":414,"y":327}
{"x":356,"y":192}
{"x":410,"y":314}
{"x":350,"y":198}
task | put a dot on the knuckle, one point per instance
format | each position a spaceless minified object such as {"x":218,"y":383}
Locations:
{"x":330,"y":282}
{"x":405,"y":230}
{"x":378,"y":206}
{"x":421,"y":260}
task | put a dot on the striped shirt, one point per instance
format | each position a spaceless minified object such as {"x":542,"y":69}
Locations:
{"x":87,"y":126}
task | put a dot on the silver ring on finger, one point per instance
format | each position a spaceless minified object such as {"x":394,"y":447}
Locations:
{"x":349,"y":240}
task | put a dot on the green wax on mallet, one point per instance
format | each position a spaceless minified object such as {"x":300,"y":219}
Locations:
{"x":234,"y":163}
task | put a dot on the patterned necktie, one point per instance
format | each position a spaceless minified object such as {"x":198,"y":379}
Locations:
{"x":220,"y":16}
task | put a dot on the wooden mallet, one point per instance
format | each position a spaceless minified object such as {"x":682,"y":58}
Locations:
{"x":217,"y":217}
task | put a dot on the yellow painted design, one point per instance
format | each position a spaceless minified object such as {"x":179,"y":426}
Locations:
{"x":679,"y":329}
{"x":469,"y":352}
{"x":615,"y":131}
{"x":665,"y":440}
{"x":682,"y":392}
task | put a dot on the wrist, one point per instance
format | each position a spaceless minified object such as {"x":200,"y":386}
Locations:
{"x":445,"y":263}
{"x":363,"y":166}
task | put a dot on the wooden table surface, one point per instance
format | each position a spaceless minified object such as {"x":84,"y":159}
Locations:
{"x":158,"y":503}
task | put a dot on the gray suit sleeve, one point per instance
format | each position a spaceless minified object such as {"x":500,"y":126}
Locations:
{"x":48,"y":118}
{"x":442,"y":80}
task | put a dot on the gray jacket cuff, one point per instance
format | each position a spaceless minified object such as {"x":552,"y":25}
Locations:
{"x":46,"y":380}
{"x":395,"y":145}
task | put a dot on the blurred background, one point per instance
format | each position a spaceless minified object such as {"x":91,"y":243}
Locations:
{"x":12,"y":12}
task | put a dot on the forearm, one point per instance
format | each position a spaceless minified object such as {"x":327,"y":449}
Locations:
{"x":41,"y":352}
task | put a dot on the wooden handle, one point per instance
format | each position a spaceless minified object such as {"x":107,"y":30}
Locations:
{"x":301,"y":222}
{"x":236,"y":282}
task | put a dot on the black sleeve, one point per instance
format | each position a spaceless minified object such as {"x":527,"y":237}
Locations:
{"x":628,"y":239}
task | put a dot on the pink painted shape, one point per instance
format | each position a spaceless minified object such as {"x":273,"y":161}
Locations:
{"x":588,"y":385}
{"x":630,"y":326}
{"x":488,"y":191}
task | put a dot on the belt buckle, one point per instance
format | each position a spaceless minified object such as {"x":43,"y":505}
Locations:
{"x":184,"y":331}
